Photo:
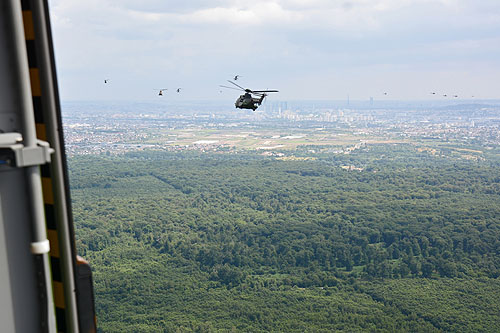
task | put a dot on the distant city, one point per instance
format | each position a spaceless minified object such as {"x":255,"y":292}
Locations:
{"x":117,"y":128}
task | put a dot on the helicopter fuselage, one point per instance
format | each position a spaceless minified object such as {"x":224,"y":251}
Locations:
{"x":246,"y":101}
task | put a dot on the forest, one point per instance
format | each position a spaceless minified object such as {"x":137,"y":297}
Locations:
{"x":402,"y":241}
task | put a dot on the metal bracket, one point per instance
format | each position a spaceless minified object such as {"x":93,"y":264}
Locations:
{"x":15,"y":154}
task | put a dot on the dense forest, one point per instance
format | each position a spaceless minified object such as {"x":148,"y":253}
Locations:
{"x":403,"y":241}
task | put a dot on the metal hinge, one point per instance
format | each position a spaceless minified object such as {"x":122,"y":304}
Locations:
{"x":15,"y":154}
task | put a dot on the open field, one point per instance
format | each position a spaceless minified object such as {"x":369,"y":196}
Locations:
{"x":261,"y":139}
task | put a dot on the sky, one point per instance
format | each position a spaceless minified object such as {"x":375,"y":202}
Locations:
{"x":307,"y":49}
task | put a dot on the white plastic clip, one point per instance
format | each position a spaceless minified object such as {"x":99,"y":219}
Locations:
{"x":40,"y":247}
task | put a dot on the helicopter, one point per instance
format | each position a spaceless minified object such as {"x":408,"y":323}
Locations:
{"x":160,"y":91}
{"x":247,"y":101}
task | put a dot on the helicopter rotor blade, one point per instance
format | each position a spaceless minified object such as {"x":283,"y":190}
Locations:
{"x":238,"y":85}
{"x":230,"y":87}
{"x":264,"y":91}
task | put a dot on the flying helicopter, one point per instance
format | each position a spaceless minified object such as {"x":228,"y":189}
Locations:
{"x":160,"y":91}
{"x":247,"y":101}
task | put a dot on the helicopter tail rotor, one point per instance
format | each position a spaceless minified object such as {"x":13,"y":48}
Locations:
{"x":262,"y":97}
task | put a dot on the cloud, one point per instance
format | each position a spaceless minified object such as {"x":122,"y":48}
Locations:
{"x":341,"y":16}
{"x":273,"y":41}
{"x":259,"y":13}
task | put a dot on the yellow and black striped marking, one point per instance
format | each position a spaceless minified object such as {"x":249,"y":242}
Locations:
{"x":48,"y":196}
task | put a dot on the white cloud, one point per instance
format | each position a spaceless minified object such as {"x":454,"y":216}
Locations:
{"x":284,"y":39}
{"x":258,"y":13}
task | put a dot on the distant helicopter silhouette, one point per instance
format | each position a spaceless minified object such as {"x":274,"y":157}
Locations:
{"x":247,"y":101}
{"x":106,"y":80}
{"x":160,"y":91}
{"x":178,"y":90}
